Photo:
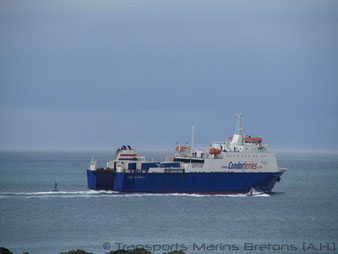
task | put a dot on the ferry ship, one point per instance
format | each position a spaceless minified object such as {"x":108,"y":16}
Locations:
{"x":238,"y":165}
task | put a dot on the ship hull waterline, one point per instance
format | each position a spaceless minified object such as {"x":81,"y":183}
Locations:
{"x":189,"y":183}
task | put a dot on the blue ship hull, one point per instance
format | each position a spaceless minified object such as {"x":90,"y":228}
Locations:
{"x":211,"y":183}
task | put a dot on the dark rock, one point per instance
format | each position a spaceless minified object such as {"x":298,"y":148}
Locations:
{"x":78,"y":251}
{"x":136,"y":251}
{"x":3,"y":250}
{"x":141,"y":251}
{"x":25,"y":252}
{"x":175,"y":252}
{"x":120,"y":252}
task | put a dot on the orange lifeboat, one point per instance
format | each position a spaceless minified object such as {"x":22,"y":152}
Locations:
{"x":215,"y":151}
{"x":180,"y":148}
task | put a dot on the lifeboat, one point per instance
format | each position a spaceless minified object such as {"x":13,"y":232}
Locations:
{"x":215,"y":151}
{"x":180,"y":148}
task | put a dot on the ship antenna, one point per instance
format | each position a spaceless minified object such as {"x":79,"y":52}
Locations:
{"x":192,"y":136}
{"x":239,"y":124}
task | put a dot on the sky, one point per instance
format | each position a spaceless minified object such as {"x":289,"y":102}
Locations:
{"x":100,"y":74}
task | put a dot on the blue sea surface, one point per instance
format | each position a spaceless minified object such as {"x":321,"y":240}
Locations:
{"x":300,"y":213}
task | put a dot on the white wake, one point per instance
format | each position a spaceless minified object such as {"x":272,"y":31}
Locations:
{"x":115,"y":194}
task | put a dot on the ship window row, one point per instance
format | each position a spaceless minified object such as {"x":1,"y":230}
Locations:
{"x":255,"y":156}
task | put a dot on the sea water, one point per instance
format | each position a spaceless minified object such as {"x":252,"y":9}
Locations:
{"x":300,"y":216}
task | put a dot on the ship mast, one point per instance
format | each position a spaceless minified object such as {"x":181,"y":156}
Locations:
{"x":238,"y":136}
{"x":239,"y":124}
{"x":192,"y":136}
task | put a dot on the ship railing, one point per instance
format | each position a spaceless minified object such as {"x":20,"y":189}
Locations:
{"x":191,"y":156}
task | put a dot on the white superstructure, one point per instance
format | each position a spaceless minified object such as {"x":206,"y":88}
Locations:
{"x":241,"y":153}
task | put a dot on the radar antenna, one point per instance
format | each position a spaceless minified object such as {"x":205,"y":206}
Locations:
{"x":239,"y":124}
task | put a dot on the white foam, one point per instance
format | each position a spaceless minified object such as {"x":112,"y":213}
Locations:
{"x":46,"y":194}
{"x":115,"y":194}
